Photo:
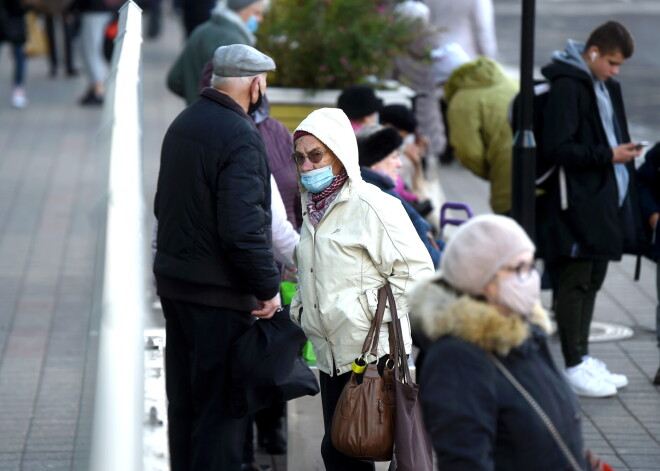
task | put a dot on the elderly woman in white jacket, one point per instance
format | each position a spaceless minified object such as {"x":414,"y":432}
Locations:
{"x":354,"y":239}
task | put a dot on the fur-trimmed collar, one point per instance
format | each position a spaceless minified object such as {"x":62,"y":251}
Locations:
{"x":436,"y":311}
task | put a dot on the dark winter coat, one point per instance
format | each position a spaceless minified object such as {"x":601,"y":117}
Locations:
{"x":213,"y":208}
{"x":278,"y":141}
{"x":12,"y":22}
{"x":224,"y":27}
{"x":593,"y":226}
{"x":422,"y":227}
{"x":648,"y":184}
{"x":477,"y":420}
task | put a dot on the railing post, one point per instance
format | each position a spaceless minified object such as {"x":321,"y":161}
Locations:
{"x":119,"y":399}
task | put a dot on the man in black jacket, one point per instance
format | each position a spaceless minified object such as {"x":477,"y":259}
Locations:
{"x":589,"y":214}
{"x":214,"y":265}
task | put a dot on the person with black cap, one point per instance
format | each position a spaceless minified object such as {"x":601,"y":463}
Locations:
{"x":214,"y":263}
{"x":410,"y":183}
{"x":231,"y":22}
{"x":379,"y":149}
{"x":360,"y":104}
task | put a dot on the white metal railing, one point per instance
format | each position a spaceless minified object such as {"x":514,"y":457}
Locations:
{"x":119,"y":396}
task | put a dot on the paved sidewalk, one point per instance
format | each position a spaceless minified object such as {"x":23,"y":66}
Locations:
{"x":52,"y":189}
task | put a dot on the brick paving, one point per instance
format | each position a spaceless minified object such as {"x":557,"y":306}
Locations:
{"x":52,"y":194}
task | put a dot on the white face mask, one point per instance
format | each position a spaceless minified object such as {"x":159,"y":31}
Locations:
{"x":520,"y":295}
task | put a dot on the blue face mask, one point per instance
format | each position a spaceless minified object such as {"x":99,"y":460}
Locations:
{"x":318,"y":179}
{"x":252,"y":24}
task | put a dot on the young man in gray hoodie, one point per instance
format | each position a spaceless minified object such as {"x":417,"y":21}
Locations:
{"x":586,"y":218}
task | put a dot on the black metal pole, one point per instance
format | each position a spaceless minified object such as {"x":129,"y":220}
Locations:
{"x":523,"y":170}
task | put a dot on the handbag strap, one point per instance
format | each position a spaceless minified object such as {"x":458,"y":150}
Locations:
{"x":397,"y":346}
{"x":539,"y":411}
{"x":374,"y":329}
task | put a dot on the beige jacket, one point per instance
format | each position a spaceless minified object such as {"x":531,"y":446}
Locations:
{"x":363,"y":240}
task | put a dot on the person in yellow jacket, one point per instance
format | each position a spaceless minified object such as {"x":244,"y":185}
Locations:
{"x":354,"y":239}
{"x":478,"y":95}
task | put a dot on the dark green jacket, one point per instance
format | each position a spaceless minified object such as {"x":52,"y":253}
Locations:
{"x":222,"y":29}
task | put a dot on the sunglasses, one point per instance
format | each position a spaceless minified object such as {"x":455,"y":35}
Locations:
{"x":314,"y":157}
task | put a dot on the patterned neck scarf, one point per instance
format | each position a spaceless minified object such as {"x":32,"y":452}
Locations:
{"x":318,"y":203}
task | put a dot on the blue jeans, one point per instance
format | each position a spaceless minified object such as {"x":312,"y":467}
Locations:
{"x":18,"y":51}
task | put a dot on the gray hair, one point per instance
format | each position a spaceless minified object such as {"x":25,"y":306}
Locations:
{"x":223,"y":82}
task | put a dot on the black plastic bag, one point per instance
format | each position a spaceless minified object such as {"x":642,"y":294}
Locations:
{"x":267,"y":367}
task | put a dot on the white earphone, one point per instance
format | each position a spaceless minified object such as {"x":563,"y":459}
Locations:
{"x":593,"y":56}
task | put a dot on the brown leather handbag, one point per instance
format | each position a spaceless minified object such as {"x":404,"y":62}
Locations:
{"x":363,"y":423}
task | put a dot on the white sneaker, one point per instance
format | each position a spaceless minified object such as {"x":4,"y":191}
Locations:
{"x":585,"y":383}
{"x":18,"y":98}
{"x":599,"y":368}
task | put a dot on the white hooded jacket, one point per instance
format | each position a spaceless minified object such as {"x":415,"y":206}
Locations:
{"x":364,"y":239}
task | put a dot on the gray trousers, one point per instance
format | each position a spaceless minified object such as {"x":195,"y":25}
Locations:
{"x":92,"y":31}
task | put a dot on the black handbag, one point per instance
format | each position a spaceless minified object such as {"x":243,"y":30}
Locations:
{"x":266,"y":366}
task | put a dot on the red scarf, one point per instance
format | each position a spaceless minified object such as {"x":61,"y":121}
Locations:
{"x":317,"y":203}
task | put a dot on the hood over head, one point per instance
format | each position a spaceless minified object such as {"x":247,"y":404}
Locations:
{"x":332,"y":127}
{"x":480,"y":73}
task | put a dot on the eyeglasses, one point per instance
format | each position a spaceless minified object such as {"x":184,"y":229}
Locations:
{"x":524,"y":270}
{"x":314,"y":157}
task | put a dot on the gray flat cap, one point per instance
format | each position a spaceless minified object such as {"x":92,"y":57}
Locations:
{"x":237,"y":5}
{"x":239,"y":60}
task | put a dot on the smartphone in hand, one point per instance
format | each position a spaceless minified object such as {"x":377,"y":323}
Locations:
{"x":641,"y":144}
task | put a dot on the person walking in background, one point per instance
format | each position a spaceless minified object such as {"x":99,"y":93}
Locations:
{"x":155,"y":18}
{"x":214,"y":264}
{"x":648,"y":184}
{"x":590,"y":212}
{"x":94,"y":17}
{"x":379,"y":149}
{"x":478,"y":96}
{"x":231,"y":22}
{"x":483,"y":309}
{"x":360,"y":104}
{"x":195,"y":12}
{"x":354,"y":239}
{"x":60,"y":12}
{"x":13,"y":31}
{"x":470,"y":23}
{"x":414,"y":69}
